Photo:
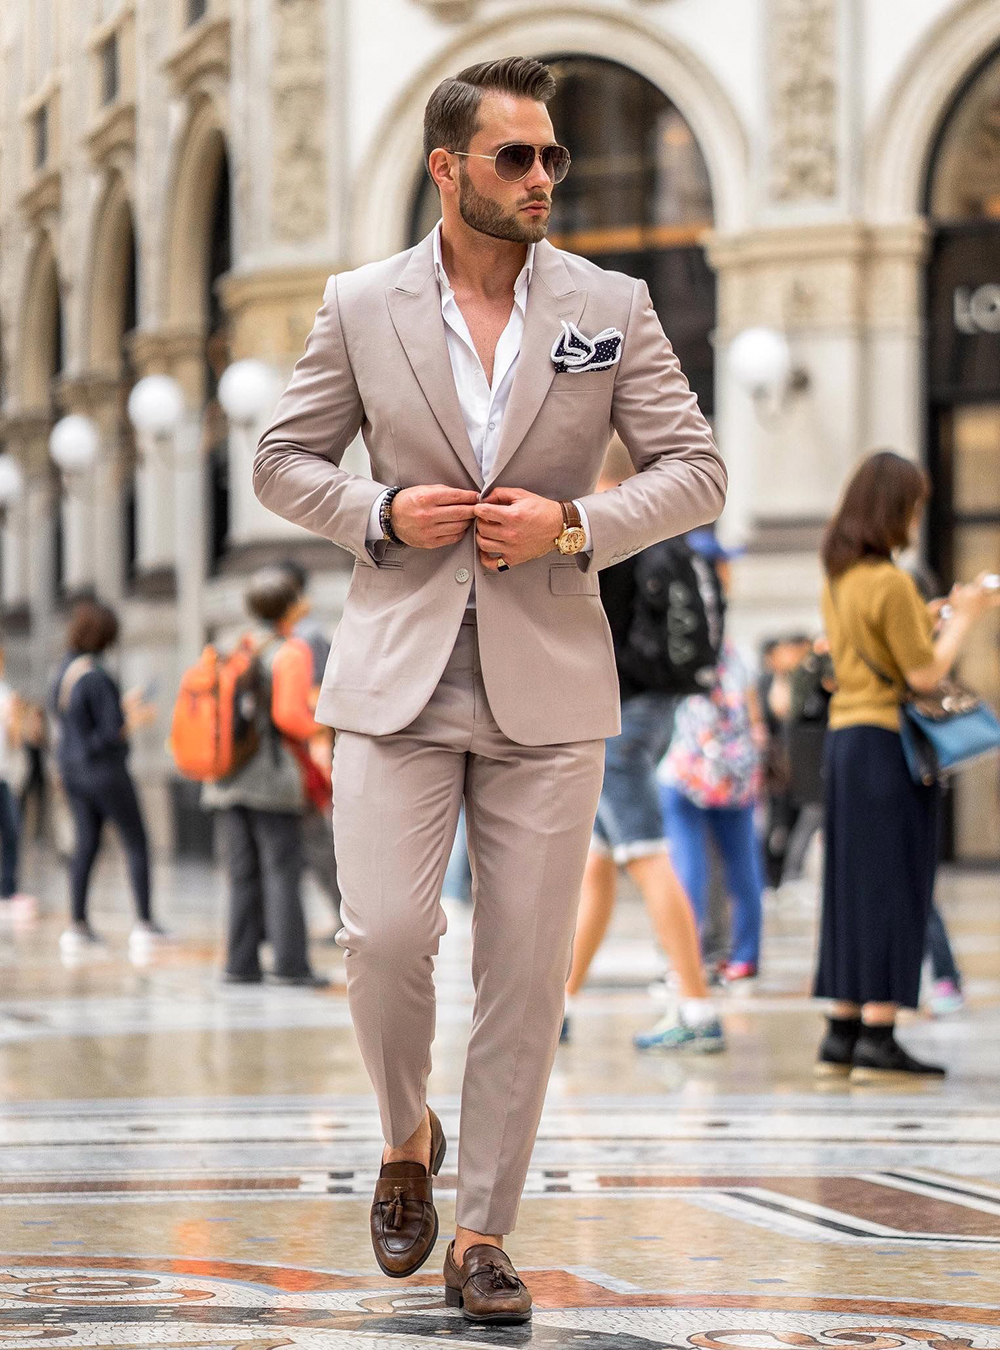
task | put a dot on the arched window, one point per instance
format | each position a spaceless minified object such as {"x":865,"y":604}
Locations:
{"x":963,"y":369}
{"x":637,"y":199}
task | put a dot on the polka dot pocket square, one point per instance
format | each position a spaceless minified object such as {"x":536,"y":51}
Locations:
{"x":574,"y":352}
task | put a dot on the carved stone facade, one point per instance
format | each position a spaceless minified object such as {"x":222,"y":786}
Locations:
{"x":298,"y":98}
{"x":804,"y":112}
{"x":309,"y":111}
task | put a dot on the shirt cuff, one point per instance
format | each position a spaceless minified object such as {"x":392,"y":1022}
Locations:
{"x":588,"y":546}
{"x":374,"y":532}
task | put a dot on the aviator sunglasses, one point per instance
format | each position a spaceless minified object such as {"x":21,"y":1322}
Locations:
{"x":513,"y":162}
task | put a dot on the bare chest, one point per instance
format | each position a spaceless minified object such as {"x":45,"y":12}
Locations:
{"x":486,"y":321}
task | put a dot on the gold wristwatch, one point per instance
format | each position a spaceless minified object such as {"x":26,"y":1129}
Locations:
{"x":573,"y":537}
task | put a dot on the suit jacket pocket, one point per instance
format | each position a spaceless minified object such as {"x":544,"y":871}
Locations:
{"x":568,"y":579}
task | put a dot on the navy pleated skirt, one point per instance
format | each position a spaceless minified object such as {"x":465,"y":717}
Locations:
{"x":882,"y":832}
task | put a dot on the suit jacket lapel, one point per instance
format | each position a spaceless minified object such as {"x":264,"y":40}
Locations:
{"x":551,"y":298}
{"x":415,"y":309}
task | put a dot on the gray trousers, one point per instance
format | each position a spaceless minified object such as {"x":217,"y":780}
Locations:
{"x":263,"y":852}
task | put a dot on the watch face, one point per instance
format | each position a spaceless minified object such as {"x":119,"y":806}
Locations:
{"x":572,"y":539}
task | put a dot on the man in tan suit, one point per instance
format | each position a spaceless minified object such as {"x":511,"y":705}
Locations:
{"x":486,"y":370}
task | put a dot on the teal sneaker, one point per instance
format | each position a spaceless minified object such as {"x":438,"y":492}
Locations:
{"x":673,"y":1033}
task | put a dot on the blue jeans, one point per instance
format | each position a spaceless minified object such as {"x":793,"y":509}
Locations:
{"x":458,"y":877}
{"x":943,"y":963}
{"x":629,"y":820}
{"x":737,"y":842}
{"x":10,"y":829}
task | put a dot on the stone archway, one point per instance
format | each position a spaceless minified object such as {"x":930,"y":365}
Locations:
{"x":200,"y":160}
{"x":38,"y":355}
{"x":382,"y":196}
{"x":110,"y":302}
{"x":902,"y":139}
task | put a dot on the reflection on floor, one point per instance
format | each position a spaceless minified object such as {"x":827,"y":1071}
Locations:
{"x":190,"y":1165}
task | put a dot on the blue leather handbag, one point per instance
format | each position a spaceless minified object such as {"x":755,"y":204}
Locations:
{"x":945,"y":730}
{"x":942,"y":731}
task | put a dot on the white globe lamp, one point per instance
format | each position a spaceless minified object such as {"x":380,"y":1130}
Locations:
{"x":73,"y":443}
{"x":760,"y":359}
{"x":247,"y":390}
{"x":156,"y":405}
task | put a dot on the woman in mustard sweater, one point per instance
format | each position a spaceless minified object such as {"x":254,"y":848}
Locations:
{"x":881,"y":826}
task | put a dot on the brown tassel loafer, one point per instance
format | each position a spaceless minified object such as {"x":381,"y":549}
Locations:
{"x":486,"y":1286}
{"x":404,"y":1221}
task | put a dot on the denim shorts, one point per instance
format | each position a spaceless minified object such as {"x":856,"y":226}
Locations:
{"x":629,"y":817}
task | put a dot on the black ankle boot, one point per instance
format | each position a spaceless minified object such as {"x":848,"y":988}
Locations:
{"x":878,"y":1055}
{"x":836,"y":1051}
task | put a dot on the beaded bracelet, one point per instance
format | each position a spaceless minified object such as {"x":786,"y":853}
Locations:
{"x":385,"y":517}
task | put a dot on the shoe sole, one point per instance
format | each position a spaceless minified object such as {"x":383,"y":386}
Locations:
{"x":859,"y":1075}
{"x":436,"y":1166}
{"x":824,"y":1069}
{"x":454,"y":1299}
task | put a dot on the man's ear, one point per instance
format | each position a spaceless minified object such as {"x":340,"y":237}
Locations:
{"x":442,"y":170}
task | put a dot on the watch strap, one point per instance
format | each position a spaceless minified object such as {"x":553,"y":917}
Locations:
{"x":571,"y":516}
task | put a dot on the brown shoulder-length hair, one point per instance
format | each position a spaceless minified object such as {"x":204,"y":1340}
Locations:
{"x":875,"y":512}
{"x":92,"y":627}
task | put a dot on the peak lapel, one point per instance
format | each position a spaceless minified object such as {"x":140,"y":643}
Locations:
{"x":551,"y":298}
{"x":415,"y":309}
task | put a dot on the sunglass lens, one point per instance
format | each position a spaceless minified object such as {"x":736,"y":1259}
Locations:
{"x":555,"y":162}
{"x":514,"y":161}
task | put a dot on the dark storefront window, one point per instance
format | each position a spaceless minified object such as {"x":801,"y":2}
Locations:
{"x":637,"y":199}
{"x":963,"y":377}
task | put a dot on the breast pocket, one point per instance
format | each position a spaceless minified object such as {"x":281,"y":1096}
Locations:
{"x":586,"y":382}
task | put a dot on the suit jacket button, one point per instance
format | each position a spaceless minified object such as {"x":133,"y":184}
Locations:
{"x":462,"y":574}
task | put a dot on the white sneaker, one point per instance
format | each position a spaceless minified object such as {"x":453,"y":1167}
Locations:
{"x":145,"y":938}
{"x":79,"y":939}
{"x":23,"y":908}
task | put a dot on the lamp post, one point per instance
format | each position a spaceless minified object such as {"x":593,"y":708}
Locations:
{"x":74,"y":442}
{"x":156,"y":408}
{"x":11,"y":484}
{"x":761,"y":367}
{"x":248,"y":391}
{"x":11,"y":492}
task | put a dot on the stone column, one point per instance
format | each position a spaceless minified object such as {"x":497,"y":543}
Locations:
{"x":271,"y":312}
{"x":179,"y":353}
{"x":27,"y":437}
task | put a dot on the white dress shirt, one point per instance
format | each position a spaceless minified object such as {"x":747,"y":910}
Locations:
{"x":483,"y":404}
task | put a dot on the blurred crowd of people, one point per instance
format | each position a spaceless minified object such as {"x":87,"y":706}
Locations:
{"x":731,"y":771}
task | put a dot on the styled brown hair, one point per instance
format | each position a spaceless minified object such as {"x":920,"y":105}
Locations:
{"x":452,"y":112}
{"x":875,"y":512}
{"x":92,"y":627}
{"x":271,"y":594}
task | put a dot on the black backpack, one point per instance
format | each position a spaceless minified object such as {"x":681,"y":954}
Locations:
{"x":675,"y":634}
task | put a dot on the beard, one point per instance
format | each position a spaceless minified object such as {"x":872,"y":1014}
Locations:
{"x":487,"y":216}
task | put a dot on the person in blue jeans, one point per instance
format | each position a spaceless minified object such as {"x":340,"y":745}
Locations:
{"x":709,"y":785}
{"x":629,"y":834}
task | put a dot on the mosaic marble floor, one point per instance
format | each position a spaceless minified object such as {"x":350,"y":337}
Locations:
{"x":189,"y":1165}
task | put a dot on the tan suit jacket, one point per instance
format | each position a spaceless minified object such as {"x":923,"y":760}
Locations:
{"x":377,"y":360}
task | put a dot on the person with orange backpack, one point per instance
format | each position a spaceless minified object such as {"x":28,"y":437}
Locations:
{"x":242,"y":725}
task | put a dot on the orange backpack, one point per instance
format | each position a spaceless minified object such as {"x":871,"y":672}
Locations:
{"x":214,"y":728}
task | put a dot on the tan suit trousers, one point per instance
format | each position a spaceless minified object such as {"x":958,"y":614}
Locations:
{"x":529,"y":812}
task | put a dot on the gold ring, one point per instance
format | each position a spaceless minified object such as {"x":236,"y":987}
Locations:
{"x":503,"y":565}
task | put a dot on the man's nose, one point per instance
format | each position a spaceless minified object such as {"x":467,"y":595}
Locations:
{"x":537,"y":177}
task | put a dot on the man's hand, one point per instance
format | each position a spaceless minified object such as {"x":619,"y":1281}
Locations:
{"x":432,"y":517}
{"x":516,"y":524}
